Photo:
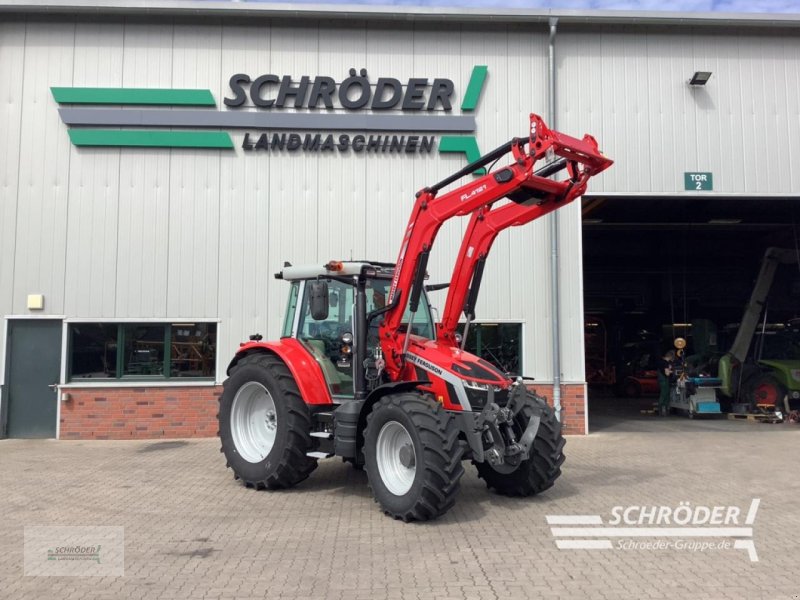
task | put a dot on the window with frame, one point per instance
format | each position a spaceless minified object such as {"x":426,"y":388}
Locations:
{"x":131,"y":351}
{"x":498,"y":343}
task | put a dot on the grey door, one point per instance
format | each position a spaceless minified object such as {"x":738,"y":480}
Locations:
{"x":34,"y":363}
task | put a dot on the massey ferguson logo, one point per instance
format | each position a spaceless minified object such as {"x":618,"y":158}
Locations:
{"x":421,"y":362}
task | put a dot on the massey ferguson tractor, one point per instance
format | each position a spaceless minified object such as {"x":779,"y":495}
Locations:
{"x":364,"y":373}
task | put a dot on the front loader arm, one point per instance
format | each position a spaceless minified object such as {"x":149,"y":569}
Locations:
{"x":484,"y":226}
{"x":518,"y":182}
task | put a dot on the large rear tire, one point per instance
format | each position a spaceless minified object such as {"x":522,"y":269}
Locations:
{"x":766,"y":390}
{"x":264,"y":425}
{"x":412,"y":457}
{"x":540,"y":471}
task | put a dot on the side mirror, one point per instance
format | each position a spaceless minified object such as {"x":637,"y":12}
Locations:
{"x":318,"y":300}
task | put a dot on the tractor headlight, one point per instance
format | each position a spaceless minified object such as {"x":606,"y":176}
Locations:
{"x":484,"y":387}
{"x":474,"y":385}
{"x":478,"y":394}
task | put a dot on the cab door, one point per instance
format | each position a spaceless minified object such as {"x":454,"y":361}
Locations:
{"x":324,"y":338}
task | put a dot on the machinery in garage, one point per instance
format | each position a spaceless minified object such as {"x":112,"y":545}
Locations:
{"x":370,"y":378}
{"x":693,"y":394}
{"x":761,"y":371}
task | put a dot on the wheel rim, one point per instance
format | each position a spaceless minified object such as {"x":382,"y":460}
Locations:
{"x":766,"y":393}
{"x":254,"y":422}
{"x":396,"y":458}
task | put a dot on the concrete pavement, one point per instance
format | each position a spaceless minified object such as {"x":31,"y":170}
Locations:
{"x":191,"y":531}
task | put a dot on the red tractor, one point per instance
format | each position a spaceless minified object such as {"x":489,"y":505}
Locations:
{"x":363,"y":372}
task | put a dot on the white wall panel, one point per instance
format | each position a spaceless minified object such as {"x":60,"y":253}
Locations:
{"x":194,"y":186}
{"x":12,"y":61}
{"x":293,"y":233}
{"x":390,"y":181}
{"x":143,"y":245}
{"x":44,"y":169}
{"x":94,"y":186}
{"x":629,"y":88}
{"x":570,"y":248}
{"x":245,"y":264}
{"x":12,"y":65}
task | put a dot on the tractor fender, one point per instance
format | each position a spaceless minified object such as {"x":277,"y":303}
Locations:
{"x":305,"y":370}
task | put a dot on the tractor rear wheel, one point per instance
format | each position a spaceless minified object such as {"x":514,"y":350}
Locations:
{"x":543,"y":467}
{"x":264,"y":425}
{"x":766,"y":390}
{"x":412,"y":456}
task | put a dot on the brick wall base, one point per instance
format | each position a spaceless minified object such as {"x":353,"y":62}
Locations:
{"x":171,"y":412}
{"x":573,"y":405}
{"x":139,"y":413}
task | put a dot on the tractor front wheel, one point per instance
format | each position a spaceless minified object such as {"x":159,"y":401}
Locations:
{"x":412,"y":457}
{"x":543,"y":466}
{"x":264,"y":425}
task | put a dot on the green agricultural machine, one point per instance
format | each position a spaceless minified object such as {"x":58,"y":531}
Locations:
{"x":761,"y":371}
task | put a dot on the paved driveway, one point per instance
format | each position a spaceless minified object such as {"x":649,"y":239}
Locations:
{"x":191,"y":531}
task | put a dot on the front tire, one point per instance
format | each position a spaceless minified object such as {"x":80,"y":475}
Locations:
{"x":412,"y":457}
{"x":264,"y":425}
{"x":540,"y":471}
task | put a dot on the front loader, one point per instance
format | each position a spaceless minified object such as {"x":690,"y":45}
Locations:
{"x":362,"y":372}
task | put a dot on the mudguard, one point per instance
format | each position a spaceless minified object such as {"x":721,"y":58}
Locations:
{"x":305,"y":370}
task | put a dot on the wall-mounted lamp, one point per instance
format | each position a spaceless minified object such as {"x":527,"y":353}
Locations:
{"x":700,"y":78}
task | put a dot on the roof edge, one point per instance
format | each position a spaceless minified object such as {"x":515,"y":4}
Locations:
{"x":220,"y":9}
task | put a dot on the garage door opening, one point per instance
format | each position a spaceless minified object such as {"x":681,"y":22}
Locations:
{"x":656,"y":269}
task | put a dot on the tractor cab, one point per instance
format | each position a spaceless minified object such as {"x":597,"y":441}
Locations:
{"x":328,"y":330}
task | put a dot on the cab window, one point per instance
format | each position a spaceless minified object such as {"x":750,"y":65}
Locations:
{"x":377,"y":296}
{"x":323,"y":339}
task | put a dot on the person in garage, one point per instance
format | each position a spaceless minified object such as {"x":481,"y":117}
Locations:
{"x":664,"y":375}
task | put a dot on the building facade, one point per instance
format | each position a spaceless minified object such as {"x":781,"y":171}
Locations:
{"x":158,"y":166}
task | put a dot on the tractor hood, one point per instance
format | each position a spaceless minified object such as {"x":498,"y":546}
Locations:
{"x":787,"y":371}
{"x":433,"y":357}
{"x":464,"y":379}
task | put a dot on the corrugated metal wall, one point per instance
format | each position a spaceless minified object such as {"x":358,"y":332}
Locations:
{"x":628,"y":86}
{"x":176,"y":234}
{"x":187,"y":233}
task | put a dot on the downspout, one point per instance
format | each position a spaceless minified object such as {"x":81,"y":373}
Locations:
{"x":555,"y":296}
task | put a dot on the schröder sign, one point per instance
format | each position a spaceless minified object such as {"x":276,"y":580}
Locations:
{"x":278,"y":112}
{"x":354,"y":93}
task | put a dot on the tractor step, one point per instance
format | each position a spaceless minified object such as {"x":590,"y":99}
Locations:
{"x":323,"y":417}
{"x":325,"y":435}
{"x":318,"y":454}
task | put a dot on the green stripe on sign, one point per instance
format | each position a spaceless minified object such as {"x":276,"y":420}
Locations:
{"x":467,"y":145}
{"x":85,"y":95}
{"x":474,"y":88}
{"x":151,"y":139}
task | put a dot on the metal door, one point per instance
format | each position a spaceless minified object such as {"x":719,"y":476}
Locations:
{"x":33,"y":349}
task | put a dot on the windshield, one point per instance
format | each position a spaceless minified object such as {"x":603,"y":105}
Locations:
{"x":422,"y":323}
{"x":779,"y":345}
